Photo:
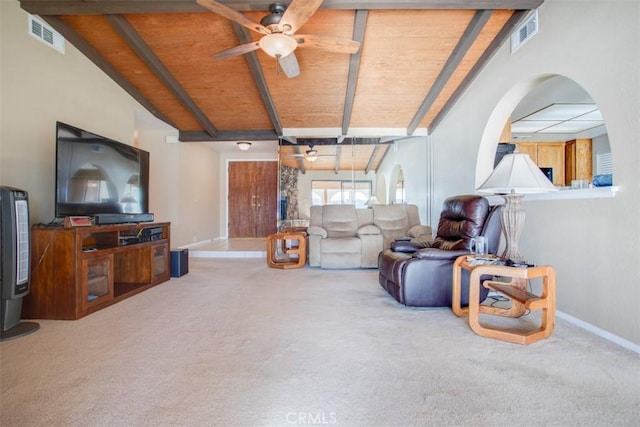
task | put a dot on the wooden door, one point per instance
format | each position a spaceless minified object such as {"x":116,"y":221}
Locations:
{"x":253,"y":198}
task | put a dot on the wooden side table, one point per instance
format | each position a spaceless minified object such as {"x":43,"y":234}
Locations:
{"x":516,"y":290}
{"x":280,"y":255}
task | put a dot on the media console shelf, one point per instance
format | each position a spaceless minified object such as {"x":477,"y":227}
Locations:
{"x":77,"y":271}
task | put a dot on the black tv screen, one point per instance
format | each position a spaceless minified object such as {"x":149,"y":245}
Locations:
{"x":96,"y":175}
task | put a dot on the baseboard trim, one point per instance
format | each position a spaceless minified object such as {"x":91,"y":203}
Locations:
{"x":600,"y":332}
{"x":191,"y":245}
{"x":227,"y":254}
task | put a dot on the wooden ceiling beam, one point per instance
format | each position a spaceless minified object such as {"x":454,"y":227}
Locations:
{"x":102,"y":7}
{"x":333,"y":141}
{"x":372,"y":158}
{"x":87,"y":50}
{"x":137,"y":43}
{"x":384,"y":155}
{"x":359,"y":28}
{"x":228,"y":135}
{"x":470,"y":34}
{"x":503,"y":35}
{"x":258,"y":76}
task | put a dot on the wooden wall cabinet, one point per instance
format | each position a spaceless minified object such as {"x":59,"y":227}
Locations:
{"x":578,"y":160}
{"x":77,"y":271}
{"x":547,"y":155}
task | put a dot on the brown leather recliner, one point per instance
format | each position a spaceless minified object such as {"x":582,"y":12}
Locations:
{"x":421,"y":277}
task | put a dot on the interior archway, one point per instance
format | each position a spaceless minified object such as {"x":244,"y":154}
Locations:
{"x":529,"y":108}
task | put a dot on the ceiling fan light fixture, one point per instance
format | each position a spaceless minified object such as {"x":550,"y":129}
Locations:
{"x":278,"y":45}
{"x":243,"y":145}
{"x":312,"y":155}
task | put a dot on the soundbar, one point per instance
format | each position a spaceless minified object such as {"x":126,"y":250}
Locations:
{"x":121,"y":218}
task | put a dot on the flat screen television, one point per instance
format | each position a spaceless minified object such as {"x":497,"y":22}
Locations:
{"x":97,"y":175}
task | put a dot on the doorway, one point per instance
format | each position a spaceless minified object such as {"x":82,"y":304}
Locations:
{"x":253,"y":198}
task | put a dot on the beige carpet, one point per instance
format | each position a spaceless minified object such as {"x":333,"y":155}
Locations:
{"x":234,"y":343}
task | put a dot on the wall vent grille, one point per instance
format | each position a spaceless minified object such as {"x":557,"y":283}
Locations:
{"x":604,"y":164}
{"x":524,"y":32}
{"x":47,"y":35}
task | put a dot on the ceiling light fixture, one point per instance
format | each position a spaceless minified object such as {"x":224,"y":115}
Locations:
{"x":312,"y":155}
{"x":278,"y":45}
{"x":243,"y":145}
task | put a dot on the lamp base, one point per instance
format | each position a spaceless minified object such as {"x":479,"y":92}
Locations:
{"x":512,"y":220}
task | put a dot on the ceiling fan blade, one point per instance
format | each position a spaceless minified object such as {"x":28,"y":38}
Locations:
{"x":227,"y":12}
{"x":298,"y":12}
{"x":332,"y":44}
{"x":314,"y":155}
{"x":289,"y":65}
{"x":237,"y":51}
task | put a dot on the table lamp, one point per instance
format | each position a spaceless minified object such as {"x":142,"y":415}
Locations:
{"x":515,"y":176}
{"x":373,"y":200}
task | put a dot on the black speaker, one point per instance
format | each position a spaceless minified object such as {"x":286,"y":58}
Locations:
{"x":14,"y":262}
{"x":179,"y":262}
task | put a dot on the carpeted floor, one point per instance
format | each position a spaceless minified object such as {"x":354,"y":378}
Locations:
{"x":234,"y":343}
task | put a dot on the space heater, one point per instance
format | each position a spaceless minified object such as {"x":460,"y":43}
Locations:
{"x":14,"y":262}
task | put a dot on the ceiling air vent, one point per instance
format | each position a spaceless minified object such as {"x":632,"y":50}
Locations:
{"x":524,"y":32}
{"x":46,"y":34}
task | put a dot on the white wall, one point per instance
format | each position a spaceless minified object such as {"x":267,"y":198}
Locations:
{"x":593,"y":244}
{"x":40,"y":86}
{"x":412,"y":156}
{"x":183,"y":187}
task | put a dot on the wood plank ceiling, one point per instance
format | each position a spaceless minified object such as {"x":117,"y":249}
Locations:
{"x":415,"y":59}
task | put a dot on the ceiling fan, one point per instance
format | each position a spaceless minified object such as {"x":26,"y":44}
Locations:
{"x":311,"y":154}
{"x":278,"y":28}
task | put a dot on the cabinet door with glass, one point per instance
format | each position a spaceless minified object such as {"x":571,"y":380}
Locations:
{"x":159,"y":261}
{"x":96,"y":280}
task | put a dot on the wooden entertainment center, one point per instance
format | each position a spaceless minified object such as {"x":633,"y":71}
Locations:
{"x":76,"y":271}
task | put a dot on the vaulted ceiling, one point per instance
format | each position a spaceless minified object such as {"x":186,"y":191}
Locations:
{"x":415,"y":59}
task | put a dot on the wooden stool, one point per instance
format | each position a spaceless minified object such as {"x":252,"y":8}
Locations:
{"x":279,"y":255}
{"x":516,"y":290}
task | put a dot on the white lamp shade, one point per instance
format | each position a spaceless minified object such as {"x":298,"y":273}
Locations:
{"x":278,"y":45}
{"x":516,"y":173}
{"x":373,"y":200}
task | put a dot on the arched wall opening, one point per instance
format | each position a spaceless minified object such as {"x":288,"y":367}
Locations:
{"x":545,"y":96}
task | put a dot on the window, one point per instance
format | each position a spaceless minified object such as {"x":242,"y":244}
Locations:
{"x":341,"y":193}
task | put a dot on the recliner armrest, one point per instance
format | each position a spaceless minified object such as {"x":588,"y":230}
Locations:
{"x":314,"y":230}
{"x":368,"y":230}
{"x":419,"y":231}
{"x":406,"y":246}
{"x":435,"y":253}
